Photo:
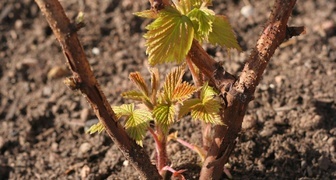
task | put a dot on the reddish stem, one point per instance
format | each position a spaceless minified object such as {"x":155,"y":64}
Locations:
{"x":161,"y":150}
{"x":185,"y":143}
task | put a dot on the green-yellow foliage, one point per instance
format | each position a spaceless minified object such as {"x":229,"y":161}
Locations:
{"x":99,"y":127}
{"x":169,"y":37}
{"x":174,"y":92}
{"x":163,"y":105}
{"x":206,"y":108}
{"x":137,"y":120}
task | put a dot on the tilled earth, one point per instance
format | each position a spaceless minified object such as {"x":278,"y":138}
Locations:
{"x":289,"y":131}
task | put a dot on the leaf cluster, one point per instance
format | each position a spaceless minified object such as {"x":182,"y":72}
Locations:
{"x":169,"y":39}
{"x":170,"y":35}
{"x":164,"y":105}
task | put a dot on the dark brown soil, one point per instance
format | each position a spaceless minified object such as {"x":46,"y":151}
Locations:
{"x":289,"y":130}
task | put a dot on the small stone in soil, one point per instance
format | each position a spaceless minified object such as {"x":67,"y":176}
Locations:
{"x":126,"y":163}
{"x":84,"y":148}
{"x":54,"y":146}
{"x":324,"y":162}
{"x":249,"y":122}
{"x":247,"y":11}
{"x":84,"y":114}
{"x":95,"y":51}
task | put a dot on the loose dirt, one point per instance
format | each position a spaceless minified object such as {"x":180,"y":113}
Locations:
{"x":289,"y":131}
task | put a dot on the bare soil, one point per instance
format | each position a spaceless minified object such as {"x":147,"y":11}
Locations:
{"x":289,"y":131}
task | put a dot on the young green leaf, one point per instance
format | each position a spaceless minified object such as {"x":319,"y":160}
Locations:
{"x":205,"y":109}
{"x":222,"y":33}
{"x":201,"y":3}
{"x":151,"y":14}
{"x":123,"y":110}
{"x":155,"y":84}
{"x":137,"y":120}
{"x":187,"y":106}
{"x":184,"y":6}
{"x":134,"y":95}
{"x":196,"y":3}
{"x":208,"y":94}
{"x":183,"y":91}
{"x":173,"y":91}
{"x":169,"y":37}
{"x":137,"y":124}
{"x":164,"y":115}
{"x":143,"y":94}
{"x":202,"y":19}
{"x":172,"y":80}
{"x":206,"y":113}
{"x":99,"y":127}
{"x":140,"y":83}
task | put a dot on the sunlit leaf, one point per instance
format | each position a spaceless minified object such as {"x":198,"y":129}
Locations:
{"x":137,"y":120}
{"x":206,"y":108}
{"x":223,"y":34}
{"x":137,"y":124}
{"x":173,"y":79}
{"x":134,"y":95}
{"x":184,"y":6}
{"x":202,"y":19}
{"x":196,"y":3}
{"x":183,"y":91}
{"x":164,"y":115}
{"x":99,"y":127}
{"x":205,"y":113}
{"x":169,"y":37}
{"x":155,"y":83}
{"x":140,"y":83}
{"x":187,"y":105}
{"x":201,"y":3}
{"x":123,"y":110}
{"x":151,"y":14}
{"x":208,"y":93}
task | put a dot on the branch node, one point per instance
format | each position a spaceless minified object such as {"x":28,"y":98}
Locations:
{"x":76,"y":26}
{"x":294,"y":31}
{"x":71,"y":83}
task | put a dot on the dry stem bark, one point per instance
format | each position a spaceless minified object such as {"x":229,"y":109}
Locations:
{"x":238,"y":93}
{"x":84,"y":81}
